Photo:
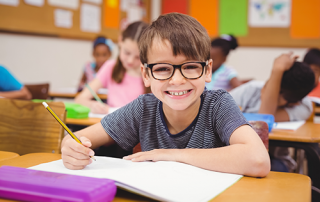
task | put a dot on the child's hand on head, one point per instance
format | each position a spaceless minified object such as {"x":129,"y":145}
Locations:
{"x":284,"y":62}
{"x":76,"y":156}
{"x":99,"y":108}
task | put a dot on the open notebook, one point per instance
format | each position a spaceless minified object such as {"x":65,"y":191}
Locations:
{"x":163,"y":180}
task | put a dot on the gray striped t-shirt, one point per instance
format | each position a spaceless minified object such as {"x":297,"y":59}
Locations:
{"x":142,"y":121}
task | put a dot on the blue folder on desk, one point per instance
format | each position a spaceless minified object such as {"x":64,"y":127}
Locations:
{"x":268,"y":118}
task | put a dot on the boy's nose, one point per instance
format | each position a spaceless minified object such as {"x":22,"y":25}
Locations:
{"x":177,"y":78}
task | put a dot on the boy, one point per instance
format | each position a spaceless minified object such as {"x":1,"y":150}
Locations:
{"x":283,"y":96}
{"x":180,"y":121}
{"x":11,"y":88}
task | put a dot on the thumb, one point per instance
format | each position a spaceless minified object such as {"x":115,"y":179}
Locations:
{"x":85,"y":141}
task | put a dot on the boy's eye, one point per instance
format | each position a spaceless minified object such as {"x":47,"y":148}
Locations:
{"x":190,"y":67}
{"x":161,"y":69}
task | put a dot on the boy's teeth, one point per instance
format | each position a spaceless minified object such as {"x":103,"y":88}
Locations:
{"x":178,"y":93}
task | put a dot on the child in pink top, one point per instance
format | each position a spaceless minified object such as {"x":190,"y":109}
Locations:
{"x":119,"y":94}
{"x":122,"y":77}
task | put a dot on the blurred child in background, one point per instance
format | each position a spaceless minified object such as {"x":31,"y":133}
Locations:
{"x":283,"y":96}
{"x":122,"y":77}
{"x":312,"y":58}
{"x":11,"y":88}
{"x":223,"y":77}
{"x":102,"y":50}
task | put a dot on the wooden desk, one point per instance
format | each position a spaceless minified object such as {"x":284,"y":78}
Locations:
{"x":308,"y":132}
{"x":72,"y":95}
{"x":307,"y":137}
{"x":275,"y":187}
{"x":5,"y":155}
{"x":83,"y":122}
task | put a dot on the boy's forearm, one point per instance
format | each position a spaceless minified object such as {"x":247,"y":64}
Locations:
{"x":238,"y":159}
{"x":269,"y":100}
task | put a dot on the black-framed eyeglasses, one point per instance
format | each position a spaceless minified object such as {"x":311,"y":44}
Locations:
{"x":189,"y":70}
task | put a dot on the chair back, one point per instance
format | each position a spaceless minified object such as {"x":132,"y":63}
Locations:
{"x":27,"y":127}
{"x":262,"y":130}
{"x":38,"y":91}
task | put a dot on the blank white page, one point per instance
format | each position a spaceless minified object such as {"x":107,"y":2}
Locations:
{"x":163,"y":180}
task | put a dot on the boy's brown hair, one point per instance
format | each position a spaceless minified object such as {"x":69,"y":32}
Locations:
{"x":185,"y":34}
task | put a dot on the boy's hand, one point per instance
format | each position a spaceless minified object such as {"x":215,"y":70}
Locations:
{"x":154,"y":155}
{"x":99,"y":108}
{"x":76,"y":156}
{"x":284,"y":62}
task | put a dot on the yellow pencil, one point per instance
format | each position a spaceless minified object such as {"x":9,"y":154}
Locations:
{"x":63,"y":125}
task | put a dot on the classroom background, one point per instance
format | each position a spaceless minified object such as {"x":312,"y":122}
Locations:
{"x":46,"y":46}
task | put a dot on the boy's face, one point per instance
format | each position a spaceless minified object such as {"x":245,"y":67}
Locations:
{"x":316,"y":70}
{"x":161,"y":52}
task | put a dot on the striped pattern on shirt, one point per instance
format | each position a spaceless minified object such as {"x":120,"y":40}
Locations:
{"x":140,"y":121}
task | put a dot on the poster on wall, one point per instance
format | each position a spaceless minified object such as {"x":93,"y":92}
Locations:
{"x":90,"y":18}
{"x":72,"y":4}
{"x":269,"y":13}
{"x":38,"y":3}
{"x":9,"y":2}
{"x":63,"y":18}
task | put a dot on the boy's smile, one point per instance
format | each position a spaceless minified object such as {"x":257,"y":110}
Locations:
{"x":176,"y":93}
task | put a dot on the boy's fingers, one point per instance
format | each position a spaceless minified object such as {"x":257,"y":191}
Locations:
{"x":80,"y":148}
{"x":85,"y":141}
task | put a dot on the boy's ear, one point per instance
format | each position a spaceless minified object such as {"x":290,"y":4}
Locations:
{"x":145,"y":76}
{"x":209,"y":71}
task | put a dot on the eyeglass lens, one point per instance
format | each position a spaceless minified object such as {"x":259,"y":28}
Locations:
{"x":165,"y":71}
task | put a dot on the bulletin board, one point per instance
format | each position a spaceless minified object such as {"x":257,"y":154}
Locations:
{"x":232,"y":17}
{"x":29,"y":19}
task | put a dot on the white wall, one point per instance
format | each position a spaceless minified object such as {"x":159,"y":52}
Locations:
{"x":256,"y":62}
{"x":35,"y":59}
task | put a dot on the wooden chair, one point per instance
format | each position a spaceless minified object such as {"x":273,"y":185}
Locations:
{"x":38,"y":91}
{"x":27,"y":127}
{"x":260,"y":127}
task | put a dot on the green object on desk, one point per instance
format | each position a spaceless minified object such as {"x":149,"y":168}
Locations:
{"x":76,"y":111}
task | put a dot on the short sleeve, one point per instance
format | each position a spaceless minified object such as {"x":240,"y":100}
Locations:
{"x":300,"y":112}
{"x":104,"y":74}
{"x":228,"y":118}
{"x":232,"y":74}
{"x":123,"y":124}
{"x":7,"y":81}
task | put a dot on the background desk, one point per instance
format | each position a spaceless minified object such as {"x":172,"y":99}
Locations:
{"x":5,"y":155}
{"x":275,"y":187}
{"x":306,"y":137}
{"x":71,"y":95}
{"x":83,"y":122}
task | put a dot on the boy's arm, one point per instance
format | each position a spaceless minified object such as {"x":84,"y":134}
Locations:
{"x":246,"y":155}
{"x":76,"y":156}
{"x":23,"y":93}
{"x":270,"y":96}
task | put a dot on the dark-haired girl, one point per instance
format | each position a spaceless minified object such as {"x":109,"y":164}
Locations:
{"x":223,"y":77}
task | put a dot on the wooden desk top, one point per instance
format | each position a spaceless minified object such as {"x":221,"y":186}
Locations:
{"x":83,"y":122}
{"x":308,"y":132}
{"x":72,"y":95}
{"x":5,"y":155}
{"x":275,"y":187}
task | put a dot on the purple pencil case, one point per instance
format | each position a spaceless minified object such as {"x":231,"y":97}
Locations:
{"x":32,"y":185}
